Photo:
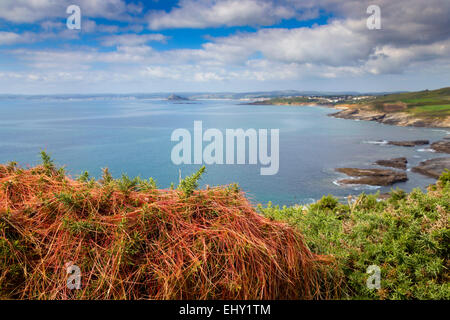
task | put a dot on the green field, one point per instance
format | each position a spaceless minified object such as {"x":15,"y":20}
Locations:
{"x":288,"y":101}
{"x":434,"y":103}
{"x":431,"y":110}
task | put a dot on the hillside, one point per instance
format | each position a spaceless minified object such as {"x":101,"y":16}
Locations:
{"x":428,"y":108}
{"x":426,"y":104}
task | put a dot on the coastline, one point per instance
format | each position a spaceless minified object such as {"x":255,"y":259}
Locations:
{"x":368,"y":113}
{"x":402,"y":119}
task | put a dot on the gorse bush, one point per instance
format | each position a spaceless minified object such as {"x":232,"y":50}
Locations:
{"x":133,"y":241}
{"x":190,"y":183}
{"x":47,"y":162}
{"x":407,"y":236}
{"x":445,"y":177}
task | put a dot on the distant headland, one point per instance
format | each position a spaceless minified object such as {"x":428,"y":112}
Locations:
{"x":174,"y":97}
{"x":428,"y":108}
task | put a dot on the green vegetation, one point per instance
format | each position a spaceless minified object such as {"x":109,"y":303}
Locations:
{"x":434,"y":103}
{"x":431,"y":111}
{"x":289,"y":101}
{"x":190,"y":183}
{"x":407,"y":236}
{"x":422,"y":104}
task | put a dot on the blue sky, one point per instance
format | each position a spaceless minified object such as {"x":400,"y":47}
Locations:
{"x":223,"y":45}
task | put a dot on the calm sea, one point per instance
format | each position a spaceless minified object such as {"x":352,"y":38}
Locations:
{"x":133,"y":137}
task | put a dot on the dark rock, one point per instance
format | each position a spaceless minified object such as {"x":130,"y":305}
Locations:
{"x":399,"y":163}
{"x":409,"y":143}
{"x":358,"y":114}
{"x":373,"y":177}
{"x":176,"y":98}
{"x":433,"y":168}
{"x":441,"y":146}
{"x":344,"y":114}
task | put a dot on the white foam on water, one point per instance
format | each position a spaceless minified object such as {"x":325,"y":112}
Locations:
{"x":359,"y":187}
{"x":356,"y":187}
{"x":425,"y":150}
{"x":380,"y":142}
{"x":441,"y":130}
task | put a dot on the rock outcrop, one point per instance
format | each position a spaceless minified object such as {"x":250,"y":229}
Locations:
{"x":404,"y":119}
{"x":409,"y":143}
{"x":373,"y":177}
{"x":399,"y":163}
{"x":359,"y":114}
{"x":433,"y":168}
{"x":441,"y":146}
{"x":174,"y":97}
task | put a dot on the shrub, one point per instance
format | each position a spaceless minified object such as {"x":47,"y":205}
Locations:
{"x":407,"y":236}
{"x":152,"y":244}
{"x":190,"y":183}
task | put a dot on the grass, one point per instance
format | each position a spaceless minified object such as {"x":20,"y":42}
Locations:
{"x":132,"y":240}
{"x":434,"y":103}
{"x":431,"y":110}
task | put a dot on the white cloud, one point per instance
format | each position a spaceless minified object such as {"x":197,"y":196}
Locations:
{"x":213,"y":13}
{"x":413,"y":40}
{"x":10,"y":38}
{"x":26,"y":11}
{"x":132,"y":39}
{"x":339,"y":43}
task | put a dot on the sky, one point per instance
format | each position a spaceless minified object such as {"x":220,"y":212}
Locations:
{"x":223,"y":45}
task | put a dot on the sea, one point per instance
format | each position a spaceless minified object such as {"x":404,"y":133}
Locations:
{"x":133,"y":136}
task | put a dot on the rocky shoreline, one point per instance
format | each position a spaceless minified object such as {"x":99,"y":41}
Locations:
{"x":372,"y":177}
{"x":432,"y":168}
{"x":399,"y":163}
{"x":369,"y":113}
{"x":402,"y":119}
{"x":393,"y":116}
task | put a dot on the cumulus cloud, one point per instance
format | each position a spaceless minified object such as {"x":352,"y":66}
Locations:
{"x":414,"y":39}
{"x":338,"y":43}
{"x":215,"y":13}
{"x":25,"y":11}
